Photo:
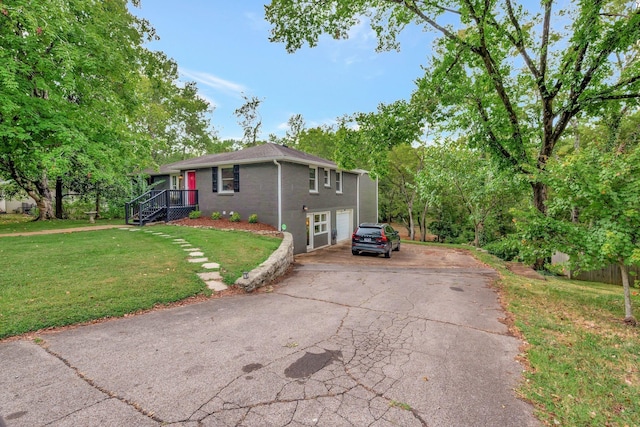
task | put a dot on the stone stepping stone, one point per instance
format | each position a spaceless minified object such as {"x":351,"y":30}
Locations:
{"x":211,"y":266}
{"x":210,"y":275}
{"x":179,"y":240}
{"x":216,"y":286}
{"x":198,"y":259}
{"x":196,"y":253}
{"x":185,"y":245}
{"x":191,"y":249}
{"x":132,"y":229}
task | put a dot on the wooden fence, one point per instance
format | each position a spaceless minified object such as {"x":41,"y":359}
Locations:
{"x":610,"y":274}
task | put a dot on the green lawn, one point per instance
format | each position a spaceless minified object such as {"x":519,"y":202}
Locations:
{"x":62,"y":279}
{"x":19,"y":223}
{"x":584,"y":362}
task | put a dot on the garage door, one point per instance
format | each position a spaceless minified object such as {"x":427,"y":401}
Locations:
{"x":343,"y":224}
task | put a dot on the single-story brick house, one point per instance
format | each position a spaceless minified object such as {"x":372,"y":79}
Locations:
{"x":310,"y":197}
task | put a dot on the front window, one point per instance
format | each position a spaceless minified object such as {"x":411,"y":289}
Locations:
{"x":338,"y":182}
{"x":313,"y":180}
{"x":226,"y":180}
{"x":320,"y":223}
{"x":327,"y":178}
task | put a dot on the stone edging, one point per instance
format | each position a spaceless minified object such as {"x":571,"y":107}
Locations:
{"x":275,"y":266}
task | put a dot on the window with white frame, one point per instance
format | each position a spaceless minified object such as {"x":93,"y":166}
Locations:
{"x":226,"y":179}
{"x":338,"y":182}
{"x":327,"y":177}
{"x":320,"y":223}
{"x":313,"y":180}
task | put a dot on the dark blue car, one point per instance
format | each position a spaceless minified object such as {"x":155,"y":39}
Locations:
{"x":375,"y":238}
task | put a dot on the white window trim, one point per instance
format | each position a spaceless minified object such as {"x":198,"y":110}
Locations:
{"x":315,"y":189}
{"x":220,"y":183}
{"x":174,"y":185}
{"x":339,"y":181}
{"x":320,"y":223}
{"x":327,"y":177}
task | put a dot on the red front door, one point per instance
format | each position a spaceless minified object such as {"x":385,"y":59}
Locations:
{"x":191,"y":185}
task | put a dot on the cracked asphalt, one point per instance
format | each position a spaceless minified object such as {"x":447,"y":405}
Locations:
{"x":415,"y":340}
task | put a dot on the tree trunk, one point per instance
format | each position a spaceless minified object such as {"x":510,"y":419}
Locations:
{"x":412,"y":228}
{"x":477,"y":230}
{"x":59,"y":211}
{"x":423,"y":222}
{"x":540,"y":196}
{"x":97,"y":209}
{"x":628,"y":312}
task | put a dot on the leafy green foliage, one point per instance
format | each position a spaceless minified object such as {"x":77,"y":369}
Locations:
{"x":195,"y":214}
{"x":253,"y":219}
{"x":216,"y":215}
{"x":509,"y":78}
{"x":82,"y":100}
{"x":235,"y":217}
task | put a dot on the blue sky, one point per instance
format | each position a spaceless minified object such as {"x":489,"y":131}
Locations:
{"x":224,"y":46}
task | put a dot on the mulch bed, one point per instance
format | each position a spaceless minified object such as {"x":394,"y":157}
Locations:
{"x":225,"y":224}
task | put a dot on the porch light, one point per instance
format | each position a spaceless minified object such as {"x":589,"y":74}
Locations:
{"x":305,"y":208}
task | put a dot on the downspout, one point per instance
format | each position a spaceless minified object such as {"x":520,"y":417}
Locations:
{"x":279,"y":194}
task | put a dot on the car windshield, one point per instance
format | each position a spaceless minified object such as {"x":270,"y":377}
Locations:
{"x":363,"y":231}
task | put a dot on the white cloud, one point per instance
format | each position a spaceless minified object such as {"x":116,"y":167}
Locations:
{"x":215,"y":82}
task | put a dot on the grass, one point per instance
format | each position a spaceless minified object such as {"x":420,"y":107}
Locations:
{"x":61,"y":279}
{"x":20,"y":223}
{"x":583,"y":361}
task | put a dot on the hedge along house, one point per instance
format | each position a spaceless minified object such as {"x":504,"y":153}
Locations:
{"x":308,"y":196}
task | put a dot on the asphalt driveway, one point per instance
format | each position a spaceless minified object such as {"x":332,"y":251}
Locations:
{"x":414,"y":340}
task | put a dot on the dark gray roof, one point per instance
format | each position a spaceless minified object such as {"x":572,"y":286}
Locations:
{"x":258,"y":154}
{"x":167,"y":169}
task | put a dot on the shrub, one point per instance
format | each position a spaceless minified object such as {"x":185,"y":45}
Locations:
{"x":507,"y":248}
{"x":253,"y":218}
{"x":235,"y":217}
{"x":195,"y":214}
{"x":216,"y":215}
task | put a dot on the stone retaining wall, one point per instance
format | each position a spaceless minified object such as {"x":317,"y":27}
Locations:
{"x":275,"y":266}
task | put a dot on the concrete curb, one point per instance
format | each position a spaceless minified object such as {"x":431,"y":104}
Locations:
{"x":275,"y":266}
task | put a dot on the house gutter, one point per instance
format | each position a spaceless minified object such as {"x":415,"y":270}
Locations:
{"x":279,"y":194}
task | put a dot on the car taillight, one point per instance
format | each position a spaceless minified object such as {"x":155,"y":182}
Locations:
{"x":383,"y":237}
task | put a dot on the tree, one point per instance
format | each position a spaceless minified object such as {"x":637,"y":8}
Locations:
{"x":405,"y":164}
{"x":69,"y":77}
{"x":509,"y":77}
{"x":250,"y":119}
{"x":296,"y":127}
{"x":472,"y":180}
{"x":603,"y":183}
{"x":320,"y":141}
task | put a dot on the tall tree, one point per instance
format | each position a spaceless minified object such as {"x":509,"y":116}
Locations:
{"x":250,"y":119}
{"x":296,"y":127}
{"x":510,"y":77}
{"x":601,"y":180}
{"x":69,"y":74}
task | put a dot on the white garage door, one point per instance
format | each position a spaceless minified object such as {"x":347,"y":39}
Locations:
{"x":343,"y":224}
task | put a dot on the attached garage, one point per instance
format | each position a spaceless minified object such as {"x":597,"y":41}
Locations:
{"x":344,"y":224}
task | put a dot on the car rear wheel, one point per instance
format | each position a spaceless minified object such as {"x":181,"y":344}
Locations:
{"x":354,"y":252}
{"x":397,"y":247}
{"x":388,"y":253}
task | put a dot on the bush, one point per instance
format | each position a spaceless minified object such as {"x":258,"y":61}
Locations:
{"x":507,"y":248}
{"x":216,"y":215}
{"x":235,"y":217}
{"x":195,"y":214}
{"x":253,"y":218}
